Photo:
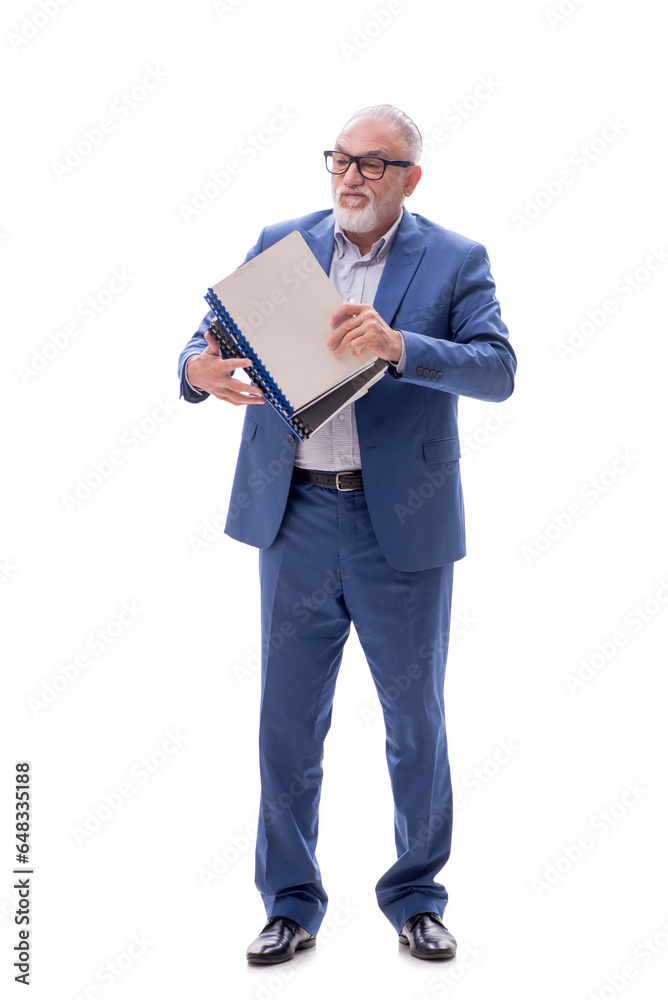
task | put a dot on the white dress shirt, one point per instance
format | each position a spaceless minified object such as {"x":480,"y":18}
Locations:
{"x":335,"y":448}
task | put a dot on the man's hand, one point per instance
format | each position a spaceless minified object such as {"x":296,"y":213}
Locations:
{"x":359,"y":326}
{"x":215,"y":375}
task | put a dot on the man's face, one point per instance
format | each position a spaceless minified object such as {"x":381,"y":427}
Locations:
{"x":361,"y":205}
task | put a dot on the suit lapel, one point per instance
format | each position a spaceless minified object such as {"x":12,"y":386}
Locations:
{"x":320,"y":241}
{"x":402,"y":262}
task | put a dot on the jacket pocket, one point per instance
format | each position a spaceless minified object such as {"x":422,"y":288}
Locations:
{"x":442,"y":450}
{"x":249,"y":427}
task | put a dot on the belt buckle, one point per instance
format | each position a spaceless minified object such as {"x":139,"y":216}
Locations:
{"x":343,"y":489}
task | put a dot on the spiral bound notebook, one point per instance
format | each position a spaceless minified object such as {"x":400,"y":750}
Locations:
{"x":275,"y":310}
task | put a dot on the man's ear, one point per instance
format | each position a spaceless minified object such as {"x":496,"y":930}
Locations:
{"x":413,"y":175}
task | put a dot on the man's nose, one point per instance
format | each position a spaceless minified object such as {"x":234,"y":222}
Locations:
{"x":356,"y":177}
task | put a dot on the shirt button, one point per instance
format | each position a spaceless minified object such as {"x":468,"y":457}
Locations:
{"x":352,"y":298}
{"x":342,"y":416}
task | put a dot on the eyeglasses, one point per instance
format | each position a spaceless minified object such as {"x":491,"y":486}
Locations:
{"x":371,"y":167}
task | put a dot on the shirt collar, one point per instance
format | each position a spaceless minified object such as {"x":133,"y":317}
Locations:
{"x":378,"y":251}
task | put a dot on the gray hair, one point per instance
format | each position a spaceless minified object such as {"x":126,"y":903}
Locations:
{"x":389,"y":115}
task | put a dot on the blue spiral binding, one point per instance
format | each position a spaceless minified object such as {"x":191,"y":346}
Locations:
{"x":257,"y":372}
{"x":273,"y":390}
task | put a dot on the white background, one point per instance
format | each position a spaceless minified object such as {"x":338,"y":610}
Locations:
{"x":508,"y":96}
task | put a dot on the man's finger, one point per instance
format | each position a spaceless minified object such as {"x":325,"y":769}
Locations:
{"x":212,"y":344}
{"x":349,"y":340}
{"x":343,"y":329}
{"x":344,"y":311}
{"x":238,"y":391}
{"x":232,"y":363}
{"x":239,"y":398}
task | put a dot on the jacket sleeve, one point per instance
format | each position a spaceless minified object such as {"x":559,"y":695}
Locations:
{"x":475,"y":357}
{"x":197,"y":343}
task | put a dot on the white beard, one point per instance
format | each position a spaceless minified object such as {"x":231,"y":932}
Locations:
{"x":358,"y":219}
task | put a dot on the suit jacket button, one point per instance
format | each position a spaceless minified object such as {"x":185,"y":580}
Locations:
{"x":439,"y":374}
{"x":419,"y":371}
{"x":291,"y":439}
{"x":432,"y":374}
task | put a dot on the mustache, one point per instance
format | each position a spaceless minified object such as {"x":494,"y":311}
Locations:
{"x":359,"y":192}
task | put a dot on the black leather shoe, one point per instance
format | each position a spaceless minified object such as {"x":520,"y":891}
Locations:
{"x":278,"y":941}
{"x":427,"y":937}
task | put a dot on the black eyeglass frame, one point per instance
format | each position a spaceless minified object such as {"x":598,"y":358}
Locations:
{"x":356,"y":160}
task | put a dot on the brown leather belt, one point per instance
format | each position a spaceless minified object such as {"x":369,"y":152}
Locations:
{"x":342,"y":481}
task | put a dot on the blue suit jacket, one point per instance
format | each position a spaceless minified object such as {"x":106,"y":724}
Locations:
{"x":437,"y":289}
